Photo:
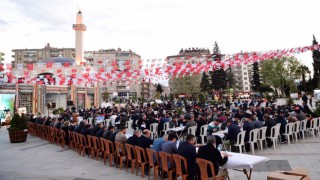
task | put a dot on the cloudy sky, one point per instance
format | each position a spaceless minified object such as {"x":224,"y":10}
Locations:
{"x":156,"y":29}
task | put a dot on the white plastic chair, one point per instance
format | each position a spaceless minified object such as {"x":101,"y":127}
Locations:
{"x":262,"y":137}
{"x":303,"y":127}
{"x":253,"y":139}
{"x":165,"y":128}
{"x":129,"y":125}
{"x":278,"y":125}
{"x":203,"y":133}
{"x":275,"y":131}
{"x":288,"y":131}
{"x":240,"y":141}
{"x":313,"y":127}
{"x":192,"y":130}
{"x":154,"y":130}
{"x":296,"y":130}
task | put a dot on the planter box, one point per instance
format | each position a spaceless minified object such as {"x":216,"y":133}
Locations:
{"x":17,"y":136}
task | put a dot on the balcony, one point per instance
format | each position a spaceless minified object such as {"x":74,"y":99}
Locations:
{"x":79,"y":27}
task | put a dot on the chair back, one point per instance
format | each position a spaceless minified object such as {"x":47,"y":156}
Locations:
{"x":130,"y":151}
{"x":203,"y":164}
{"x":151,"y":154}
{"x":102,"y":144}
{"x":192,"y":130}
{"x":277,"y":130}
{"x":203,"y":130}
{"x":296,"y":127}
{"x":90,"y":144}
{"x":109,"y":146}
{"x":262,"y":133}
{"x":240,"y":137}
{"x":140,"y":154}
{"x":95,"y":142}
{"x":165,"y":159}
{"x":289,"y":128}
{"x":253,"y":135}
{"x":153,"y":130}
{"x":120,"y":149}
{"x":62,"y":134}
{"x":129,"y":124}
{"x":165,"y":127}
{"x":108,"y":122}
{"x":179,"y":160}
{"x":83,"y":140}
{"x":303,"y":125}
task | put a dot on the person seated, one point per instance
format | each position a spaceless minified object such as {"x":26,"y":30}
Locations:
{"x":232,"y":134}
{"x":256,"y":123}
{"x":269,"y":122}
{"x":121,"y":135}
{"x":142,"y":122}
{"x":133,"y":140}
{"x":151,"y":120}
{"x":144,"y":141}
{"x":188,"y":150}
{"x":170,"y":146}
{"x":95,"y":129}
{"x":281,"y":119}
{"x":190,"y":123}
{"x":214,"y":126}
{"x":211,"y":153}
{"x":101,"y":131}
{"x":157,"y":143}
{"x":109,"y":131}
{"x":174,"y":122}
{"x":86,"y":130}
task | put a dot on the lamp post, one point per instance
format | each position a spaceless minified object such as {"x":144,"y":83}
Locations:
{"x":59,"y":97}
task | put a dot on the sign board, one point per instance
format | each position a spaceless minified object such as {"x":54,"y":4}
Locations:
{"x":294,"y":96}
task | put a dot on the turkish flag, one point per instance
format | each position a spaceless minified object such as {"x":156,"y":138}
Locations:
{"x":66,"y":64}
{"x":30,"y":66}
{"x":49,"y":65}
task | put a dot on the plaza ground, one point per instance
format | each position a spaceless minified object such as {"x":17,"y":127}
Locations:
{"x":38,"y":159}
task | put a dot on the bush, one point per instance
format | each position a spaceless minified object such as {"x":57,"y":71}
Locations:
{"x":19,"y":122}
{"x":317,"y":112}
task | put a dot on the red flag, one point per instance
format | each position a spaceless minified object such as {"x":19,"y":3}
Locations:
{"x":49,"y":65}
{"x":73,"y":70}
{"x":66,"y":64}
{"x":30,"y":66}
{"x":59,"y":70}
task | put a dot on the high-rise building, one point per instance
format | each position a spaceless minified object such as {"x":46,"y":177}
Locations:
{"x":25,"y":56}
{"x":79,"y":28}
{"x":243,"y":77}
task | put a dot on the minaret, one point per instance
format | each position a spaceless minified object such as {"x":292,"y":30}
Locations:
{"x":79,"y":28}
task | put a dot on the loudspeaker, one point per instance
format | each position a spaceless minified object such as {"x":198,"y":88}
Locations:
{"x":69,"y":103}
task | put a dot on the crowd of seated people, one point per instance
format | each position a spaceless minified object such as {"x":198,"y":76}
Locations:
{"x":230,"y":117}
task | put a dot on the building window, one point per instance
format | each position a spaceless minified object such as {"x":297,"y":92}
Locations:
{"x":246,"y":88}
{"x":245,"y":73}
{"x":246,"y":83}
{"x":245,"y":78}
{"x":244,"y":68}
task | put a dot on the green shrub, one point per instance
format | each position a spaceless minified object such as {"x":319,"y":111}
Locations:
{"x":19,"y":122}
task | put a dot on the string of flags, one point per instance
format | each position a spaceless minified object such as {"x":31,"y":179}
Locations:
{"x":68,"y":73}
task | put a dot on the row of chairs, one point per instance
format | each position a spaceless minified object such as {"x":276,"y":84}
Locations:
{"x":296,"y":131}
{"x":51,"y":134}
{"x":117,"y":152}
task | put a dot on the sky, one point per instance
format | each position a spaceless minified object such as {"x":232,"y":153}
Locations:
{"x":159,"y":28}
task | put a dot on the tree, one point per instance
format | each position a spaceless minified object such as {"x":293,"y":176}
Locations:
{"x":302,"y":71}
{"x":216,"y":49}
{"x":316,"y":64}
{"x":218,"y":79}
{"x":159,"y":88}
{"x":105,"y":96}
{"x":255,"y":83}
{"x":264,"y":88}
{"x":205,"y":85}
{"x":279,"y":73}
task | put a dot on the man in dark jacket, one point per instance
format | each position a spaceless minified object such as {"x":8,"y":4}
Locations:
{"x":211,"y":153}
{"x":188,"y":150}
{"x":233,"y":131}
{"x":133,"y":140}
{"x":144,"y":141}
{"x":281,"y":119}
{"x":269,"y":122}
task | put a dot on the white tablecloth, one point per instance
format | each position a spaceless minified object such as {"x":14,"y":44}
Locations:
{"x":242,"y":161}
{"x":219,"y":133}
{"x":180,"y":128}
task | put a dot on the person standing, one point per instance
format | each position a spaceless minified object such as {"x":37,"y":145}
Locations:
{"x":188,"y":150}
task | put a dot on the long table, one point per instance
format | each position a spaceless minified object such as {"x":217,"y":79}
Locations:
{"x":243,"y":162}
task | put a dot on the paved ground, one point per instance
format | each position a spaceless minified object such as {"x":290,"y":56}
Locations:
{"x":37,"y":159}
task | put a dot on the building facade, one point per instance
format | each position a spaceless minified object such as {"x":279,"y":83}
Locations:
{"x":243,"y":77}
{"x":121,"y":60}
{"x":25,"y":56}
{"x":1,"y":57}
